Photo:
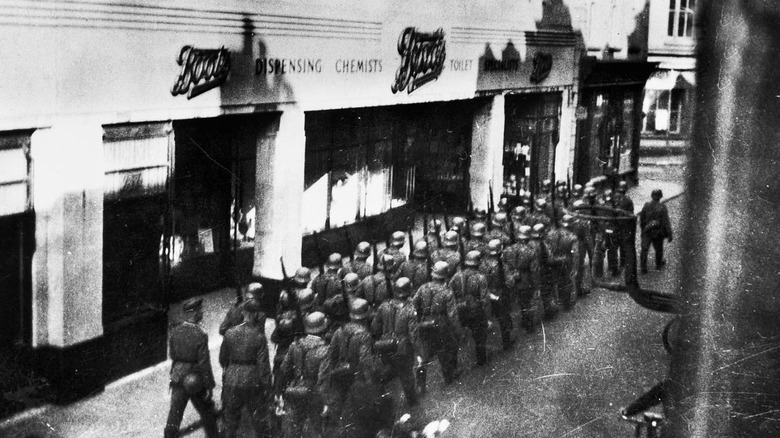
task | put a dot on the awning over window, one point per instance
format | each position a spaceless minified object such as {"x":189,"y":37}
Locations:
{"x":606,"y":73}
{"x":670,"y":79}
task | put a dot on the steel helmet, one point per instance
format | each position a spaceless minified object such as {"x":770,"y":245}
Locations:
{"x":351,"y":282}
{"x":578,"y":204}
{"x":420,"y":250}
{"x":538,"y":231}
{"x":458,"y":224}
{"x":494,"y":247}
{"x":305,"y":299}
{"x":657,"y":194}
{"x":524,"y":232}
{"x":590,"y":192}
{"x":334,"y":261}
{"x":386,"y":262}
{"x":398,"y":239}
{"x":315,"y":323}
{"x":608,"y":195}
{"x":480,"y":214}
{"x":441,"y":270}
{"x":363,"y":250}
{"x":302,"y":277}
{"x":622,"y":187}
{"x":435,"y":224}
{"x":577,"y":190}
{"x":518,"y":213}
{"x":541,"y":203}
{"x":358,"y":309}
{"x":527,"y":202}
{"x":499,"y":219}
{"x":567,"y":220}
{"x":473,"y":258}
{"x":402,"y":287}
{"x":503,"y":204}
{"x":477,"y":229}
{"x":450,"y":239}
{"x":255,"y":290}
{"x":546,"y":184}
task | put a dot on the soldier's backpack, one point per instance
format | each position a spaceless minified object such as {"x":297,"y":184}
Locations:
{"x":429,"y":325}
{"x":389,"y":346}
{"x":469,"y":306}
{"x":343,"y":371}
{"x":298,"y":392}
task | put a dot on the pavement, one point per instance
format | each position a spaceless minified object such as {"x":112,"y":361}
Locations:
{"x":137,"y":405}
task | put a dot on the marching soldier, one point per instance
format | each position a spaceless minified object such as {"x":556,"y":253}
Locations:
{"x":289,"y":326}
{"x":438,"y":324}
{"x":416,"y":268}
{"x":191,"y":376}
{"x":397,"y":241}
{"x":655,"y":226}
{"x":433,"y":238}
{"x":545,"y":190}
{"x":234,"y":315}
{"x":499,"y":290}
{"x":354,"y":397}
{"x":298,"y":378}
{"x":328,"y":284}
{"x":499,"y":229}
{"x":470,"y":288}
{"x":582,"y":229}
{"x":546,"y":283}
{"x":287,"y":296}
{"x":563,"y":251}
{"x":610,"y":238}
{"x":623,"y":202}
{"x":576,"y":193}
{"x":517,"y":217}
{"x":597,"y":237}
{"x":247,"y":376}
{"x":458,"y":225}
{"x":395,"y":327}
{"x":448,"y":253}
{"x":523,"y":261}
{"x":477,"y":241}
{"x":359,"y":263}
{"x":540,"y":214}
{"x":374,"y":288}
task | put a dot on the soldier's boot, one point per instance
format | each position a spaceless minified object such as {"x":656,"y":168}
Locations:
{"x":171,"y":432}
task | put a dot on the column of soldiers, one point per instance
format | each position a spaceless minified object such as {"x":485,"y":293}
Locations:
{"x":342,"y":337}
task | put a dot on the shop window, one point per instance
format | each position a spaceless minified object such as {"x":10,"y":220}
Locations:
{"x":14,"y":173}
{"x":681,"y":15}
{"x":663,"y":111}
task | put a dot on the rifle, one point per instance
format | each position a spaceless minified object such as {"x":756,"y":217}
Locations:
{"x":512,"y":237}
{"x":461,"y":250}
{"x":489,"y":217}
{"x":318,"y":253}
{"x":375,"y":268}
{"x":446,"y":222}
{"x":491,"y":202}
{"x":350,"y":244}
{"x":425,"y":223}
{"x":411,"y":240}
{"x":291,"y":295}
{"x":438,"y":235}
{"x":502,"y":275}
{"x":471,"y":207}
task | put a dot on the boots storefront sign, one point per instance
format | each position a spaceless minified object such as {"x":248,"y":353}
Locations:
{"x":422,"y":59}
{"x":201,"y":70}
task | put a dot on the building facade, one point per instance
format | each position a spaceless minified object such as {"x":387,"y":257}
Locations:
{"x":169,"y":149}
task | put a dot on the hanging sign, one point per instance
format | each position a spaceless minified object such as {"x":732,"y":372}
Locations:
{"x":201,"y":70}
{"x":422,"y":59}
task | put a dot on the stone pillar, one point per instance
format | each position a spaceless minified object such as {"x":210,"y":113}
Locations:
{"x":280,"y":166}
{"x":487,"y":145}
{"x":68,"y":259}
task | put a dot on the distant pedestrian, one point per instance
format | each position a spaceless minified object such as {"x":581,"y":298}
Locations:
{"x":655,"y":224}
{"x":191,"y":376}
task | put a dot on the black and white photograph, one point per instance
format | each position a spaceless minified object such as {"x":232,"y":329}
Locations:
{"x":389,"y":219}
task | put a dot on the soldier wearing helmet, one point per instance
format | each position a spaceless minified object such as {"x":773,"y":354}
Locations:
{"x":500,"y":229}
{"x":298,"y":375}
{"x":610,"y":239}
{"x":395,"y":325}
{"x":440,"y":330}
{"x":564,"y":250}
{"x":234,"y":316}
{"x":449,"y":252}
{"x":523,"y":263}
{"x":500,"y":285}
{"x":538,"y":214}
{"x":576,"y":193}
{"x":359,"y":263}
{"x":349,"y":374}
{"x":188,"y":345}
{"x":374,"y":288}
{"x":655,"y":226}
{"x":434,"y":236}
{"x":582,"y":229}
{"x":546,"y":283}
{"x":416,"y":268}
{"x":476,"y":240}
{"x":625,"y":203}
{"x":247,"y":374}
{"x":470,"y":289}
{"x":328,"y":283}
{"x":545,"y":189}
{"x":287,"y":297}
{"x":397,"y":242}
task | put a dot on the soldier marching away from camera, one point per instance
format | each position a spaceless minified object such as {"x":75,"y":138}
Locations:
{"x":576,"y":194}
{"x":476,"y":240}
{"x":289,"y":326}
{"x":546,"y":281}
{"x":581,"y":229}
{"x":458,"y":225}
{"x":434,"y":235}
{"x":518,"y":218}
{"x":355,"y":400}
{"x":610,"y":232}
{"x":328,"y":284}
{"x":564,"y":251}
{"x":523,"y":260}
{"x":449,"y":253}
{"x":397,"y":242}
{"x":395,"y":327}
{"x":539,"y":215}
{"x":439,"y":328}
{"x":247,"y":381}
{"x":417,"y":267}
{"x":655,"y":226}
{"x":191,"y":376}
{"x":359,"y":263}
{"x":373,"y":288}
{"x":500,"y":285}
{"x":499,"y":229}
{"x":287,"y":297}
{"x":597,"y":237}
{"x":623,"y":202}
{"x":298,"y":379}
{"x":470,"y":288}
{"x":234,"y":315}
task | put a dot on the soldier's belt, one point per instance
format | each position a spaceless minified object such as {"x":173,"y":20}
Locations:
{"x":243,"y":362}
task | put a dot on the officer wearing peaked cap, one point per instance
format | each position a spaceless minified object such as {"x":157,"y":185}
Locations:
{"x":191,"y":376}
{"x":247,"y":376}
{"x":416,"y":268}
{"x":470,"y":288}
{"x":440,"y":330}
{"x":395,"y":327}
{"x":298,"y":378}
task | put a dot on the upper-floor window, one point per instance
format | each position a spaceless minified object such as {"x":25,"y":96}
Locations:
{"x":681,"y":18}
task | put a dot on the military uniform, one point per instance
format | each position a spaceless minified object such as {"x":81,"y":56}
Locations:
{"x":470,"y":289}
{"x":189,"y":349}
{"x":289,"y":326}
{"x":624,"y":202}
{"x":300,"y":369}
{"x":500,"y":234}
{"x":247,"y":378}
{"x":414,"y":269}
{"x":582,"y":229}
{"x":361,"y":267}
{"x":440,"y":330}
{"x":655,"y":225}
{"x":499,"y":286}
{"x":476,"y":244}
{"x":564,"y":251}
{"x":326,"y":286}
{"x":523,"y":261}
{"x":546,"y":283}
{"x":374,"y":290}
{"x":449,"y":255}
{"x":397,"y":320}
{"x":398,"y":258}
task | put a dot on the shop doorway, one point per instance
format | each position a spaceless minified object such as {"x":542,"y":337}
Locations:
{"x":17,"y":243}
